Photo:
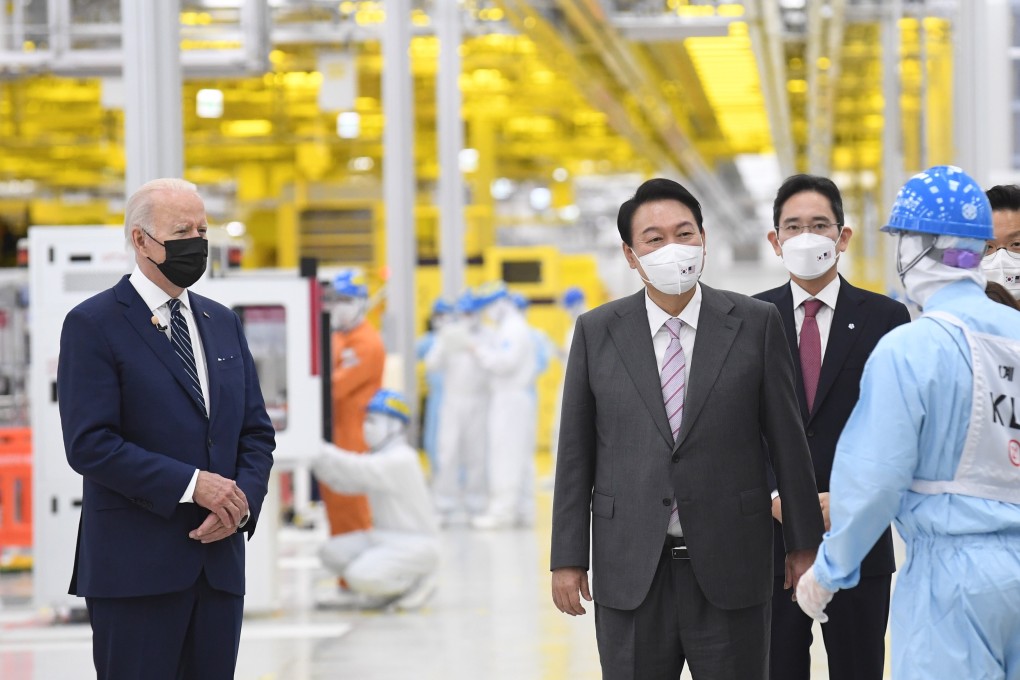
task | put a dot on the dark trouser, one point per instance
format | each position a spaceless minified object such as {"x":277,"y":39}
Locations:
{"x":676,"y":623}
{"x":178,"y":636}
{"x":854,"y":635}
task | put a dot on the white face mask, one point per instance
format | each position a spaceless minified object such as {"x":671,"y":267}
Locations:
{"x":379,"y":429}
{"x":1003,"y":267}
{"x":807,"y":256}
{"x":922,"y":275}
{"x":674,"y":268}
{"x":346,"y":314}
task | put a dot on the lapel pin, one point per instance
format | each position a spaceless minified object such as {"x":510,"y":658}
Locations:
{"x":851,"y":326}
{"x":206,"y":315}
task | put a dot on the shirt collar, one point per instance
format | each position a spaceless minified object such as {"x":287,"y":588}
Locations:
{"x":153,"y":296}
{"x":827,"y":295}
{"x":657,"y":316}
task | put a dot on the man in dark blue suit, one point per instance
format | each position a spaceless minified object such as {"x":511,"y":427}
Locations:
{"x":163,"y":417}
{"x":831,"y":328}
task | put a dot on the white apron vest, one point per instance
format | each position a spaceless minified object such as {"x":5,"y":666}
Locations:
{"x":990,"y":464}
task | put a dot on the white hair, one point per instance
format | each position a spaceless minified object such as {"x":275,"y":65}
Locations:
{"x":138,"y":212}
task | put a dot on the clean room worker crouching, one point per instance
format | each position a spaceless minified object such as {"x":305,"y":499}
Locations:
{"x":394,"y":563}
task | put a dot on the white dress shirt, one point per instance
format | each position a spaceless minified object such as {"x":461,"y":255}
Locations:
{"x":156,"y":300}
{"x":823,"y":318}
{"x":657,"y":318}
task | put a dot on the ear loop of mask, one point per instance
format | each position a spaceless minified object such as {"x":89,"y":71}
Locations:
{"x":903,"y":269}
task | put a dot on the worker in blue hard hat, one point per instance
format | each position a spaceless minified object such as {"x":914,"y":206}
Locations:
{"x":931,"y":444}
{"x":441,"y":311}
{"x":510,"y":358}
{"x":358,"y":355}
{"x":459,"y":482}
{"x":395,"y":561}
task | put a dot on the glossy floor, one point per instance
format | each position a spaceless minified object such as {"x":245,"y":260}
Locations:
{"x":490,"y":618}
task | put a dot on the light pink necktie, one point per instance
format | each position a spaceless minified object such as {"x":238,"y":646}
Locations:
{"x":674,"y":384}
{"x":810,"y":351}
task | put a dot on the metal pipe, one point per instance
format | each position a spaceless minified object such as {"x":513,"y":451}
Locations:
{"x":451,"y":143}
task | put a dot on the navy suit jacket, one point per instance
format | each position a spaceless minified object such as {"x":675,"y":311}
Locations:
{"x":134,"y":431}
{"x":859,"y":321}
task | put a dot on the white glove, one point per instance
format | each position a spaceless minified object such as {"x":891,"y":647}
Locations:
{"x":812,"y":597}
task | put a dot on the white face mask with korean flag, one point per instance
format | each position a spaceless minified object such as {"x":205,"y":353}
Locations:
{"x":808,"y":256}
{"x":674,"y":268}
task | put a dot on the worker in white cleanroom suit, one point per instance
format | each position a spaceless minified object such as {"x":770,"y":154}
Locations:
{"x":459,"y":482}
{"x":395,"y":562}
{"x":932,"y":443}
{"x":509,"y":356}
{"x":441,"y":312}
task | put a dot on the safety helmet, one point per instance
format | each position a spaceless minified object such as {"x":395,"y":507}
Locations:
{"x":466,"y":303}
{"x":351,"y":283}
{"x":487,"y":293}
{"x":573,"y":296}
{"x":943,"y":201}
{"x":442,"y":306}
{"x":519,"y":300}
{"x":390,"y":403}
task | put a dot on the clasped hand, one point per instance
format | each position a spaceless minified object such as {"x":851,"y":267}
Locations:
{"x":227,"y":505}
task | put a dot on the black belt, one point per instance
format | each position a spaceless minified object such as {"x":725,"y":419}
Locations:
{"x":676,"y":548}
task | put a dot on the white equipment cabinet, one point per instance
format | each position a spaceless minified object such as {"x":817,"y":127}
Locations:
{"x":70,"y":264}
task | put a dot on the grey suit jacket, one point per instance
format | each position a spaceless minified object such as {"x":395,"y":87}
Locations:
{"x":618,"y":468}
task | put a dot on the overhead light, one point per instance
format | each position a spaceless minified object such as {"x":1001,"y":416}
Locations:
{"x":361,"y":164}
{"x":235,"y":228}
{"x":560,"y":174}
{"x":540,"y":198}
{"x":348,"y":125}
{"x":209,"y":103}
{"x":501,"y":188}
{"x":467,"y":159}
{"x":569,"y":213}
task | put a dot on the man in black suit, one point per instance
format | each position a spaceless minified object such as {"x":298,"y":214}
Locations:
{"x":832,"y":328}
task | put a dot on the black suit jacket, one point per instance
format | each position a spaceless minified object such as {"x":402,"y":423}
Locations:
{"x":859,"y":321}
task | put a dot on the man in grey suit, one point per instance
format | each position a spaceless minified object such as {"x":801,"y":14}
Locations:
{"x":673,"y":398}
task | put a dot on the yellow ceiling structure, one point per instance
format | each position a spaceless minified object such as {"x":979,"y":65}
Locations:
{"x":547,"y":87}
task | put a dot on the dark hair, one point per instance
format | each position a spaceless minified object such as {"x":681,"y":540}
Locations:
{"x":658,"y":189}
{"x":800,"y":183}
{"x":1004,"y":197}
{"x":999,"y":293}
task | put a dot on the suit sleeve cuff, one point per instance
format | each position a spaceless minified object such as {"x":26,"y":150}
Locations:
{"x":189,"y":493}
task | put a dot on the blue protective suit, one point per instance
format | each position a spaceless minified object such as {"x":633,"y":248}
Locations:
{"x":956,"y":607}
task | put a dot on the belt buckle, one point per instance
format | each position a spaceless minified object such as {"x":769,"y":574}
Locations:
{"x":679,"y":552}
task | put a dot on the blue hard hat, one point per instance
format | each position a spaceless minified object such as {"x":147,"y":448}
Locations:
{"x":487,"y":293}
{"x":519,"y":300}
{"x":944,"y":201}
{"x":573,"y":296}
{"x":466,"y":303}
{"x":442,"y":306}
{"x":350,"y":283}
{"x":390,"y":403}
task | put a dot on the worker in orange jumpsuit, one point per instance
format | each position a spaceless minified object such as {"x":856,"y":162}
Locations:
{"x":357,"y":369}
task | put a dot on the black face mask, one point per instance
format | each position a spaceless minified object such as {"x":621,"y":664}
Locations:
{"x":185,"y":259}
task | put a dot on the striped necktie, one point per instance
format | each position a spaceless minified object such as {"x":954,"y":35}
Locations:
{"x":180,"y":338}
{"x":674,"y":384}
